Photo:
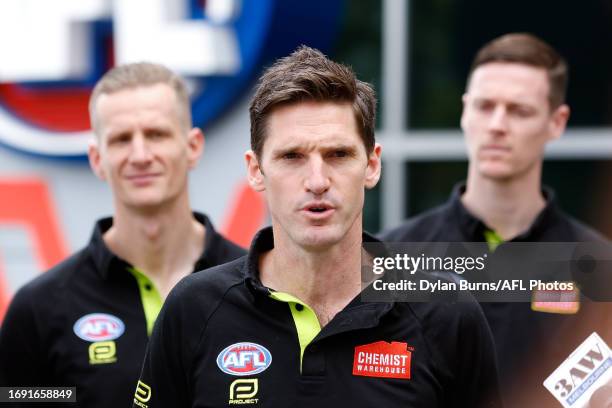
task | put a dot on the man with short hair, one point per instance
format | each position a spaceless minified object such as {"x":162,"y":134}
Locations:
{"x":86,"y":322}
{"x":286,"y":325}
{"x":513,"y":106}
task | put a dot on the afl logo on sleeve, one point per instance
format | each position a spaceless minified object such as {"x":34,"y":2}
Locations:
{"x":244,"y":359}
{"x":99,"y":327}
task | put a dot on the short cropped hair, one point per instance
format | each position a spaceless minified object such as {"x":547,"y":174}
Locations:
{"x":141,"y":74}
{"x":524,"y":48}
{"x":308,"y":75}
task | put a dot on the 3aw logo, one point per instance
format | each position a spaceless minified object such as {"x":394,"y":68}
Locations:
{"x":53,"y":52}
{"x":587,"y":369}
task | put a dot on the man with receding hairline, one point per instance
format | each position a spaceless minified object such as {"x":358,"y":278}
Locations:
{"x":513,"y":106}
{"x":86,"y":322}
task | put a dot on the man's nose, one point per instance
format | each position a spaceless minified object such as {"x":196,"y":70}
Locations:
{"x":140,"y":152}
{"x":498,"y":122}
{"x":317,"y":180}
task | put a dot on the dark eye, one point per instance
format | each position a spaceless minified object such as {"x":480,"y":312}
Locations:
{"x":340,"y":153}
{"x":521,"y":111}
{"x":291,"y":156}
{"x":484,"y":105}
{"x":121,"y":138}
{"x":156,"y":134}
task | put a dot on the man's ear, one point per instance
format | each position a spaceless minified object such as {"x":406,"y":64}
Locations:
{"x":254,"y":173}
{"x":374,"y":167}
{"x":195,"y":144}
{"x":464,"y":100}
{"x":95,"y":161}
{"x":558,"y":121}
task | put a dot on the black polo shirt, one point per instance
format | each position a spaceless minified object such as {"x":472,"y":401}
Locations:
{"x":85,"y":322}
{"x":529,"y":344}
{"x":223,"y":338}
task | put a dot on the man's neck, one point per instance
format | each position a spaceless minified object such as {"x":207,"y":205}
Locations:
{"x":510,"y":206}
{"x":164,"y":244}
{"x":325,"y":280}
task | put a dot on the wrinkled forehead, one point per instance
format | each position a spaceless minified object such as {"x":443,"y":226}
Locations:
{"x":312,"y":125}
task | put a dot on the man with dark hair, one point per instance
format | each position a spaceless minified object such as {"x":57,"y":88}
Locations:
{"x":86,"y":322}
{"x":286,"y":325}
{"x":513,"y":106}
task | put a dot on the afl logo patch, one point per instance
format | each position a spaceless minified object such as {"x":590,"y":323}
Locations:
{"x":244,"y":359}
{"x":99,"y":327}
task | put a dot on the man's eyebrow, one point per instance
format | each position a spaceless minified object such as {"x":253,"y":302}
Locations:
{"x":348,"y":147}
{"x":284,"y":150}
{"x":325,"y":147}
{"x":158,"y":128}
{"x":115,"y":133}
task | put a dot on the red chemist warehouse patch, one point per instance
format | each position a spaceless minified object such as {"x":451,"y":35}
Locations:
{"x":383,"y":359}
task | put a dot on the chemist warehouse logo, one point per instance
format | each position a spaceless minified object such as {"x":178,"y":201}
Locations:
{"x":53,"y":52}
{"x":383,"y":359}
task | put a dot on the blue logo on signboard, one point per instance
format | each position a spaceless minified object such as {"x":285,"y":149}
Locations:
{"x":217,"y":45}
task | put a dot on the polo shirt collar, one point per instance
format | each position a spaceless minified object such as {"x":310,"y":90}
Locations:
{"x":107,"y":262}
{"x":472,"y":228}
{"x":213,"y":245}
{"x":102,"y":256}
{"x":264,"y":241}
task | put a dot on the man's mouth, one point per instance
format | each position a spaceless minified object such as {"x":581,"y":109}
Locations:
{"x":318,"y":210}
{"x":495,"y":148}
{"x":143,"y":178}
{"x":142,"y":175}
